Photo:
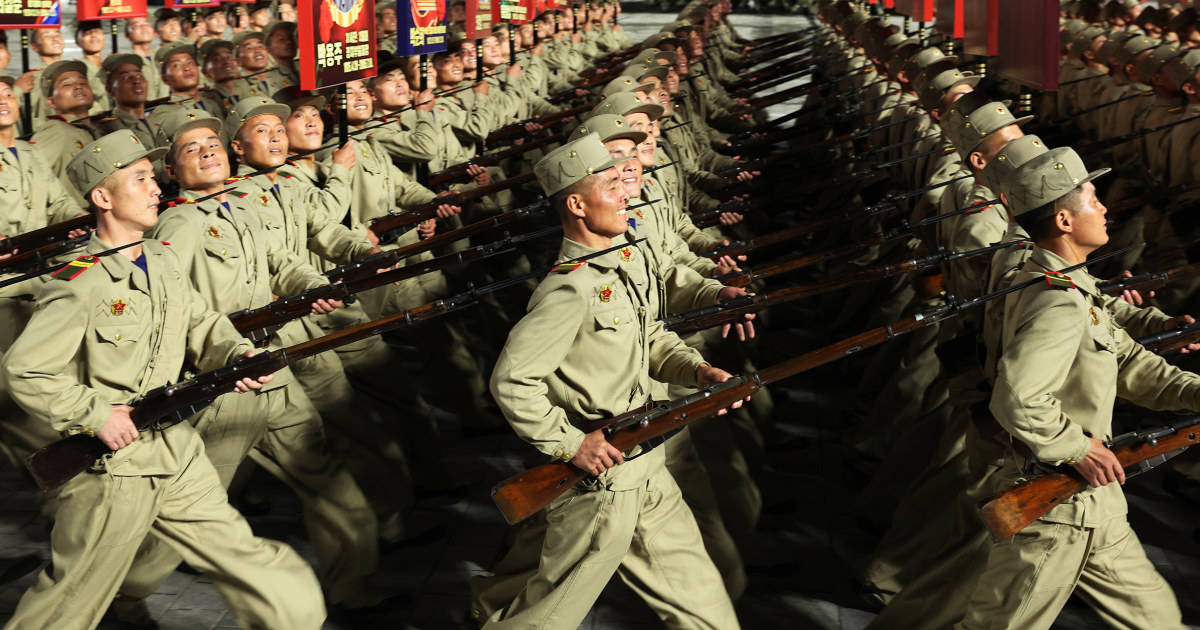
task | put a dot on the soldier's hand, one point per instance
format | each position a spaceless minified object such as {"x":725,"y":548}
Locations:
{"x":425,"y":101}
{"x":482,"y":88}
{"x":708,"y":375}
{"x":1100,"y":467}
{"x":481,"y":175}
{"x":248,"y":383}
{"x":730,"y":218}
{"x":9,"y":254}
{"x":325,"y":307}
{"x":25,"y":82}
{"x":1176,"y":322}
{"x":532,"y":127}
{"x":118,"y":431}
{"x":445,"y":211}
{"x":514,"y":70}
{"x":345,"y":155}
{"x":576,"y":37}
{"x":745,"y":328}
{"x":595,"y":454}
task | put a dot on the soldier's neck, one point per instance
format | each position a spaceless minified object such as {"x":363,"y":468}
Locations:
{"x":75,"y":114}
{"x":1067,"y":249}
{"x":141,"y":49}
{"x":190,"y":93}
{"x":94,"y":58}
{"x":49,"y":59}
{"x":112,"y":233}
{"x":284,"y":63}
{"x":309,"y":161}
{"x":229,"y":84}
{"x":8,"y":136}
{"x":137,"y":111}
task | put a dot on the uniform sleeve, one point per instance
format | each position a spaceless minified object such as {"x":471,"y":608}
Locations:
{"x":409,"y":193}
{"x":536,"y":346}
{"x":176,"y":226}
{"x":1137,"y":321}
{"x":1033,"y":367}
{"x":60,"y":203}
{"x":290,"y":274}
{"x":212,"y":340}
{"x":687,"y":289}
{"x":331,"y":202}
{"x":1146,"y":379}
{"x":419,"y":144}
{"x":41,"y":377}
{"x":671,"y":360}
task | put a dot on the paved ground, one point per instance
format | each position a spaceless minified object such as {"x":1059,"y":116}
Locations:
{"x":802,"y":558}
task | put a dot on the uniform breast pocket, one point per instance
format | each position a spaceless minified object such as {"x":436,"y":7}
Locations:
{"x":118,"y":334}
{"x":613,"y":319}
{"x":221,"y":251}
{"x":1103,"y":337}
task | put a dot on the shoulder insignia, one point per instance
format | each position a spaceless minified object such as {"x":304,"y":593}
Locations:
{"x":606,"y":293}
{"x":237,"y":178}
{"x":179,"y":201}
{"x":1095,"y":318}
{"x":568,"y":267}
{"x":976,"y":209}
{"x":626,"y":255}
{"x":240,"y":195}
{"x":165,"y":243}
{"x":57,"y":117}
{"x":75,"y":267}
{"x":288,"y":175}
{"x":639,"y":214}
{"x":117,"y":307}
{"x":1059,"y":280}
{"x":1175,"y":110}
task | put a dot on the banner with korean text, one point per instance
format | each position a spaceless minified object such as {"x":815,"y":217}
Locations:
{"x":337,"y":38}
{"x":421,"y":27}
{"x":30,"y":14}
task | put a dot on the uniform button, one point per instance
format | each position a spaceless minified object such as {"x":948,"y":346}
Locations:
{"x":158,"y":329}
{"x":117,"y":336}
{"x":223,"y":251}
{"x":558,"y":453}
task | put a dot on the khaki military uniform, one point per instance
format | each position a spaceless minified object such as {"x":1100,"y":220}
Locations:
{"x":593,"y":326}
{"x":59,"y":141}
{"x":103,"y":338}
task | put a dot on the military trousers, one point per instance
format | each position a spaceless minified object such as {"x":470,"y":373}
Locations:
{"x":646,"y":535}
{"x":283,"y":433}
{"x":102,"y":519}
{"x":1030,"y":576}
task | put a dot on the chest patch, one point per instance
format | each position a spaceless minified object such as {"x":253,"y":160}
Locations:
{"x":606,"y":293}
{"x":117,"y":307}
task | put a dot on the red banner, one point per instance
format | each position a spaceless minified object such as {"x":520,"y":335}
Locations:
{"x":110,"y":9}
{"x":30,"y":14}
{"x":190,"y":4}
{"x":479,"y":18}
{"x":338,"y":40}
{"x":981,"y":27}
{"x":512,"y":11}
{"x":1029,"y":43}
{"x":949,"y":18}
{"x":920,"y":10}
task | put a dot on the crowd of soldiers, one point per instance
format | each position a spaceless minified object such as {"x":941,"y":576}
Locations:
{"x":620,"y":171}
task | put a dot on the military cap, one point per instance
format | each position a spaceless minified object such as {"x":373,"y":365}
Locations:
{"x":211,"y":46}
{"x":116,"y":60}
{"x":106,"y":156}
{"x":640,"y":72}
{"x":1108,"y":50}
{"x":1128,"y":5}
{"x":1132,"y":47}
{"x":248,"y":108}
{"x":456,"y":36}
{"x":999,"y":170}
{"x":260,"y":5}
{"x":4,"y":78}
{"x":658,"y":39}
{"x":176,"y":120}
{"x":1184,"y":20}
{"x":383,"y":6}
{"x":625,"y":84}
{"x":166,"y":51}
{"x":625,"y":103}
{"x":967,"y":122}
{"x":1181,"y":69}
{"x":56,"y":69}
{"x":276,"y":25}
{"x":651,"y":56}
{"x":902,"y":53}
{"x":1070,"y":30}
{"x":923,"y":59}
{"x":1082,"y":42}
{"x":1046,"y":178}
{"x":295,"y":98}
{"x":164,"y":14}
{"x":86,"y":25}
{"x":242,"y":37}
{"x":934,"y":82}
{"x":572,"y":163}
{"x":1159,"y":58}
{"x":608,"y":127}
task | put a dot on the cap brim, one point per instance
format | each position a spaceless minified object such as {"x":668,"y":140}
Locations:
{"x":152,"y":155}
{"x":316,"y":100}
{"x":211,"y":123}
{"x":1094,"y":174}
{"x":1022,"y":120}
{"x":638,"y":137}
{"x":653,"y":110}
{"x":278,"y":109}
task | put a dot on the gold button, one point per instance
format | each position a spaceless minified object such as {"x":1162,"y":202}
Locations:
{"x":158,"y":329}
{"x":616,"y":320}
{"x":558,"y":453}
{"x":223,"y":251}
{"x":117,"y":337}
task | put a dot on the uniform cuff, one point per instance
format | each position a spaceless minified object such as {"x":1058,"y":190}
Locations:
{"x":569,"y":445}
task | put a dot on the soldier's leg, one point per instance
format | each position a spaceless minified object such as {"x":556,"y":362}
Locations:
{"x":265,"y":583}
{"x":587,"y":536}
{"x":100,"y":522}
{"x":340,"y":523}
{"x":490,"y":593}
{"x":684,"y":465}
{"x":1121,"y":584}
{"x":1028,"y":578}
{"x":668,"y":566}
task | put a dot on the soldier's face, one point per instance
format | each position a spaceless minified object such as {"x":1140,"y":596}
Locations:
{"x":260,"y":18}
{"x":672,"y":82}
{"x":602,"y":204}
{"x":9,"y":114}
{"x":127,"y":85}
{"x":139,"y":31}
{"x":358,"y":102}
{"x":450,"y":69}
{"x":491,"y":52}
{"x":252,"y":55}
{"x":304,"y":129}
{"x":1088,"y":222}
{"x":282,"y":44}
{"x":5,"y":56}
{"x":180,"y":73}
{"x":215,"y":23}
{"x":631,"y":169}
{"x":466,"y":52}
{"x":48,"y":43}
{"x":200,"y":160}
{"x":91,"y":40}
{"x":457,"y":13}
{"x":221,"y":65}
{"x":646,"y":149}
{"x":391,"y":90}
{"x":131,"y":196}
{"x":638,"y":121}
{"x":387,"y":21}
{"x":169,"y":30}
{"x":287,"y":12}
{"x":262,"y":141}
{"x":71,"y":92}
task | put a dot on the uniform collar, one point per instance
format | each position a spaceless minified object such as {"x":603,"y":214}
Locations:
{"x":1049,"y":261}
{"x":117,"y":265}
{"x":570,"y":250}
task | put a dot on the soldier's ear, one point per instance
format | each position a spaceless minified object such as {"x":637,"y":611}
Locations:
{"x":101,"y":198}
{"x":575,"y":205}
{"x":236,"y":145}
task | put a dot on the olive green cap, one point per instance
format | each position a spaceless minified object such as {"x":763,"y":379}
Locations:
{"x":1132,"y":47}
{"x":1082,"y":42}
{"x":1070,"y":30}
{"x":923,"y":59}
{"x":1184,"y":20}
{"x":625,"y":103}
{"x":641,"y":71}
{"x":933,"y":83}
{"x":248,"y":108}
{"x":967,"y":122}
{"x":275,"y":26}
{"x":106,"y":156}
{"x":608,"y":127}
{"x":56,"y":69}
{"x":210,"y":46}
{"x":176,"y":120}
{"x":1047,"y":178}
{"x":625,"y":84}
{"x":1159,"y":58}
{"x":166,"y":51}
{"x":1108,"y":50}
{"x":379,"y":8}
{"x":662,"y":38}
{"x":1000,"y":169}
{"x":295,"y":98}
{"x":7,"y":79}
{"x":573,"y":162}
{"x":116,"y":60}
{"x":651,"y":56}
{"x":1181,"y":69}
{"x":164,"y":14}
{"x":244,"y":36}
{"x":902,"y":53}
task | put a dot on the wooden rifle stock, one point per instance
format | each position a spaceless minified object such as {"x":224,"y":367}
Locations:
{"x":1149,"y":281}
{"x":31,"y":259}
{"x":458,"y":172}
{"x":46,"y":236}
{"x":1013,"y":509}
{"x":1171,"y":341}
{"x":509,"y":133}
{"x":388,"y":228}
